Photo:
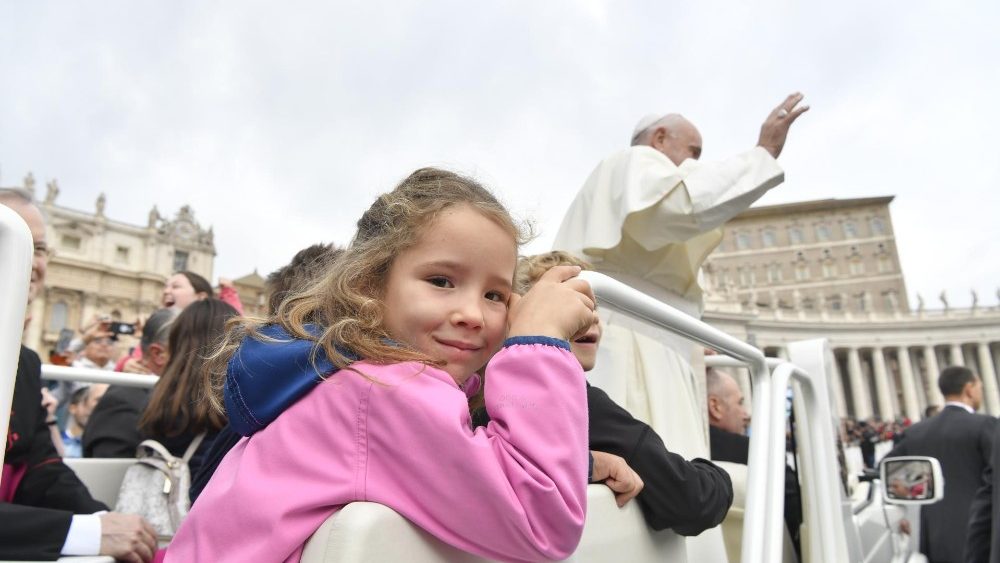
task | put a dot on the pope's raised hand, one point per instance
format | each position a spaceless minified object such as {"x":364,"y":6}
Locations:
{"x":774,"y":131}
{"x":559,"y":305}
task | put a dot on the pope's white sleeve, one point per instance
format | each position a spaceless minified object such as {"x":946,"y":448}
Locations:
{"x":710,"y":194}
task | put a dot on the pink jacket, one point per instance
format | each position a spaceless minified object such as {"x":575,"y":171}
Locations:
{"x":514,"y":490}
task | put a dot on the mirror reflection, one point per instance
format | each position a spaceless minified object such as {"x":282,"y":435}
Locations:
{"x":909,"y":479}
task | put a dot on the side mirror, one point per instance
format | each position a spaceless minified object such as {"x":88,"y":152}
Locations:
{"x":911,"y":480}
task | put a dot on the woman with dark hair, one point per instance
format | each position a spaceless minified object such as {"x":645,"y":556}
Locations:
{"x":178,"y":410}
{"x":184,"y":288}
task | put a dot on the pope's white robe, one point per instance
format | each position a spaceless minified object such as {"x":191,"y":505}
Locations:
{"x":645,"y":221}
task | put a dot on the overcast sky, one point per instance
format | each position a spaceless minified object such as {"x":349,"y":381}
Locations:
{"x":280,"y":122}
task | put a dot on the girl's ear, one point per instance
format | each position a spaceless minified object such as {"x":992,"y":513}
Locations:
{"x":201,"y":295}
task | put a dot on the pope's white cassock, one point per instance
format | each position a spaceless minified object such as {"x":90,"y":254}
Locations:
{"x":650,"y":224}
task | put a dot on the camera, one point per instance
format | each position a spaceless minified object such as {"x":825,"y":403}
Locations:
{"x":117,"y":328}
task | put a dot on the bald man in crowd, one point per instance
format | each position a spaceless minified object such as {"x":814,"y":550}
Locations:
{"x":45,"y":510}
{"x":728,"y":421}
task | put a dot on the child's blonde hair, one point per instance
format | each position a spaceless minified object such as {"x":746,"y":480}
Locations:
{"x":344,"y":306}
{"x":531,"y":268}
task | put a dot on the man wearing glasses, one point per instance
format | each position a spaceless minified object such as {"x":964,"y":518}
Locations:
{"x":45,"y":510}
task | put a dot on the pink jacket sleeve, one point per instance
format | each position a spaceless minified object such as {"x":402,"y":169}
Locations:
{"x":515,"y":490}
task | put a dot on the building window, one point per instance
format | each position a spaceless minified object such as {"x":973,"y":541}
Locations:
{"x":121,"y":254}
{"x":59,"y":317}
{"x":878,"y":227}
{"x":829,"y":268}
{"x":70,"y":242}
{"x":862,"y":301}
{"x":769,"y":238}
{"x":850,"y":230}
{"x":774,"y":273}
{"x":835,"y":303}
{"x":856,"y":266}
{"x":180,"y":261}
{"x":822,"y":232}
{"x":795,"y":235}
{"x":801,"y":271}
{"x":891,"y":300}
{"x":742,"y":241}
{"x":884,"y":264}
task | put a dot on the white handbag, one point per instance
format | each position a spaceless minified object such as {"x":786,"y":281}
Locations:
{"x":156,"y":487}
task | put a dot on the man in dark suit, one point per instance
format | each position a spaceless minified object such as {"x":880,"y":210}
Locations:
{"x":983,"y":544}
{"x":727,"y":426}
{"x":45,"y":510}
{"x":962,"y":441}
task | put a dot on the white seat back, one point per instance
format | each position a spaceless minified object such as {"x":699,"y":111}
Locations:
{"x":365,"y":531}
{"x":102,"y":476}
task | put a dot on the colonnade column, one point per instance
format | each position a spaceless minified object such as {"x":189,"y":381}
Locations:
{"x":859,"y":391}
{"x":991,"y":396}
{"x":957,"y":357}
{"x":885,"y":408}
{"x":934,"y":395}
{"x":837,"y":383}
{"x":910,"y":405}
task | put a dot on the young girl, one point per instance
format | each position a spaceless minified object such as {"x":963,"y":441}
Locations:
{"x":423,"y":296}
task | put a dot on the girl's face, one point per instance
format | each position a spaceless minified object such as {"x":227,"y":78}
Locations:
{"x":447,"y":295}
{"x":179,"y":293}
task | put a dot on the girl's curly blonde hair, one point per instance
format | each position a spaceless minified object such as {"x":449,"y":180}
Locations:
{"x":345,"y":304}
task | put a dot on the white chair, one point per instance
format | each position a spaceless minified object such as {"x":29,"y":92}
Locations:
{"x":102,"y":476}
{"x":365,"y":531}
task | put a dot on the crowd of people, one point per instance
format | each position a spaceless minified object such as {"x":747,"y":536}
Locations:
{"x":424,"y":366}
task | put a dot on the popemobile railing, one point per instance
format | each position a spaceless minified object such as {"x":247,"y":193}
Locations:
{"x":16,"y":248}
{"x":61,"y":373}
{"x":762,"y":534}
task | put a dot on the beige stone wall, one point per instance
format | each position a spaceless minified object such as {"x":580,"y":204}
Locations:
{"x":835,"y":254}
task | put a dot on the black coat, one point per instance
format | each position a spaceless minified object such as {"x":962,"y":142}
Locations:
{"x":686,"y":496}
{"x":35,"y":525}
{"x":735,"y":448}
{"x":112,"y":430}
{"x":983,"y":544}
{"x":963,"y":443}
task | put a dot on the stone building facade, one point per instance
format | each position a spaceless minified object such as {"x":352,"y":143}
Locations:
{"x":102,"y":266}
{"x":830,"y":269}
{"x":834,"y":254}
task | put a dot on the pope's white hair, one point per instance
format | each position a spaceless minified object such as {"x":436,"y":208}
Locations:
{"x":671,"y":122}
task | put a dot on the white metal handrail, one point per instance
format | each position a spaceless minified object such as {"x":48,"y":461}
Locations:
{"x":759,"y":533}
{"x":63,"y":373}
{"x":16,"y":250}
